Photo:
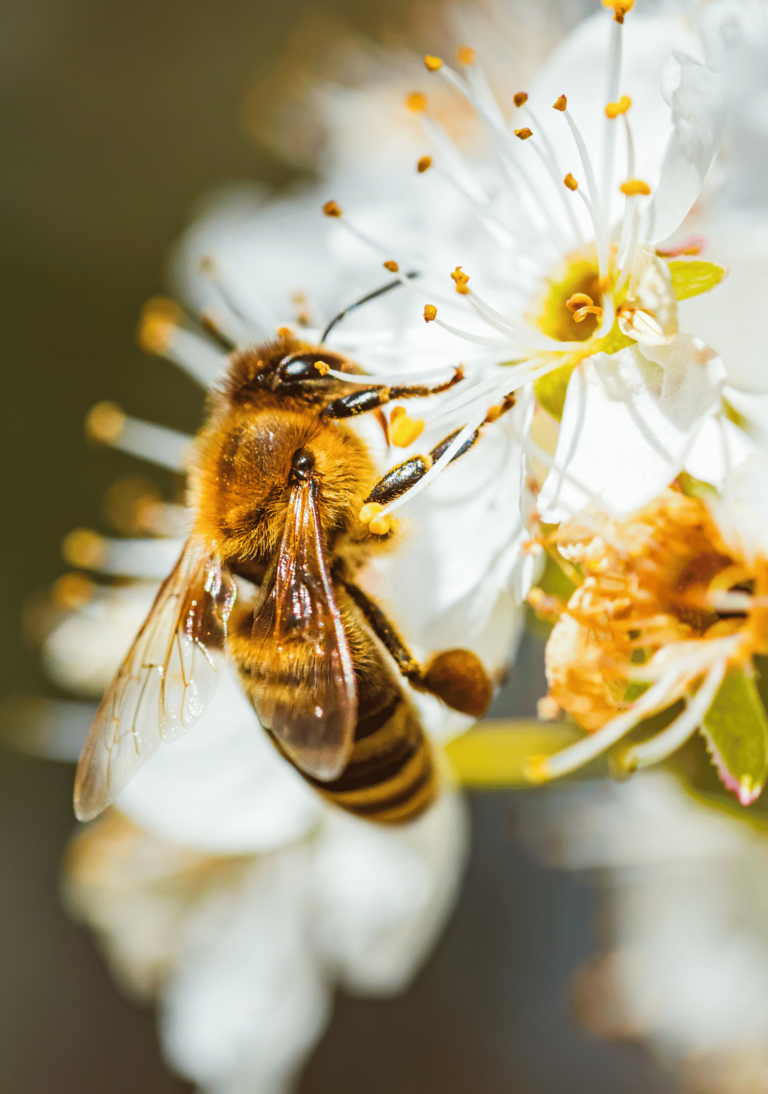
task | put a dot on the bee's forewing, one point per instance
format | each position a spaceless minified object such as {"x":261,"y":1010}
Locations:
{"x":308,"y":697}
{"x":165,"y":682}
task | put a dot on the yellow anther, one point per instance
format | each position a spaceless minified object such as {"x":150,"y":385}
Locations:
{"x":369,"y":511}
{"x":620,"y":8}
{"x":391,"y":265}
{"x":416,"y":101}
{"x":578,"y":300}
{"x":370,"y":515}
{"x":561,"y":104}
{"x":380,"y":525}
{"x":613,"y":110}
{"x":396,"y":413}
{"x":331,"y":209}
{"x":84,"y":548}
{"x":405,"y":430}
{"x":322,"y":368}
{"x":570,"y":182}
{"x":465,"y":55}
{"x":430,"y":313}
{"x":524,"y":134}
{"x":582,"y":313}
{"x":424,"y":164}
{"x":494,"y":413}
{"x":284,"y":332}
{"x":72,"y":591}
{"x":461,"y":279}
{"x":104,"y":422}
{"x":548,"y":709}
{"x":432,"y":64}
{"x":520,"y":98}
{"x":536,"y":770}
{"x":158,"y":320}
{"x":632,"y":187}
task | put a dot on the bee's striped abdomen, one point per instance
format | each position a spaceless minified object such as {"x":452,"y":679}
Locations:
{"x":391,"y":776}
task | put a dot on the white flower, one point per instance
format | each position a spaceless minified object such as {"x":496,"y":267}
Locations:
{"x":243,"y":951}
{"x":684,"y":894}
{"x":554,"y":274}
{"x":732,"y":217}
{"x":669,"y":606}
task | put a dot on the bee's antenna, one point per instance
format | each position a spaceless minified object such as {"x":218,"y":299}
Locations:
{"x":363,"y":300}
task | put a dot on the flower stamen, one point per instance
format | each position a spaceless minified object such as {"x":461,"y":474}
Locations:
{"x":108,"y":424}
{"x":613,"y":110}
{"x":620,"y":8}
{"x":633,"y":187}
{"x":593,"y":206}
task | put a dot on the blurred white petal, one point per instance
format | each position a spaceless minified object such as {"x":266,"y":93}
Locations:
{"x":629,"y":423}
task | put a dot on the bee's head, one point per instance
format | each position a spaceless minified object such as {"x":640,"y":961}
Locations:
{"x":288,"y":367}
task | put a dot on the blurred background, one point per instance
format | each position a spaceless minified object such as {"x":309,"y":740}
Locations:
{"x":117,"y":118}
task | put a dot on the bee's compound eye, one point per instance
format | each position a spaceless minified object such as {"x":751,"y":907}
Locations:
{"x":303,"y":462}
{"x":308,"y":366}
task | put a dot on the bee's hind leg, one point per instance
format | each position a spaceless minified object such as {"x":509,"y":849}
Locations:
{"x":455,"y":676}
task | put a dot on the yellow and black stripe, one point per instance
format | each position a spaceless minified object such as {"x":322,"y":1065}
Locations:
{"x":391,"y":776}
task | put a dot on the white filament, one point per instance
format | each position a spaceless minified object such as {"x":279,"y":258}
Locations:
{"x":438,"y":466}
{"x":154,"y":443}
{"x":676,"y":734}
{"x":614,"y":75}
{"x":139,"y":558}
{"x":591,"y":746}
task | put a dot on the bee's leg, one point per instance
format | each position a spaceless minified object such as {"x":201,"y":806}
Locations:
{"x":407,"y":474}
{"x":455,"y":676}
{"x":371,"y":398}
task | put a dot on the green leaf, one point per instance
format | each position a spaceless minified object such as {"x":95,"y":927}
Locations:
{"x":634,"y":689}
{"x":691,"y":278}
{"x":736,"y":731}
{"x":614,"y":341}
{"x":696,"y":488}
{"x":550,"y":390}
{"x":554,"y":581}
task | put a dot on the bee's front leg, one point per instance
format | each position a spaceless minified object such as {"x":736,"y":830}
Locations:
{"x":371,"y":398}
{"x":401,"y":478}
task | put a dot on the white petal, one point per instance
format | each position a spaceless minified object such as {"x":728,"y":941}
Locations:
{"x":650,"y":312}
{"x":730,"y":318}
{"x":628,"y":425}
{"x":85,"y":650}
{"x":248,"y":997}
{"x":719,"y":448}
{"x":578,"y":68}
{"x":742,"y":512}
{"x":382,"y":895}
{"x":695,"y":95}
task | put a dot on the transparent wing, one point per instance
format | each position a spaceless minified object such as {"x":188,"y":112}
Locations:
{"x":165,"y":682}
{"x":309,"y":697}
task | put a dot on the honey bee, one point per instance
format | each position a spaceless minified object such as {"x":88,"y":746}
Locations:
{"x":278,"y":488}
